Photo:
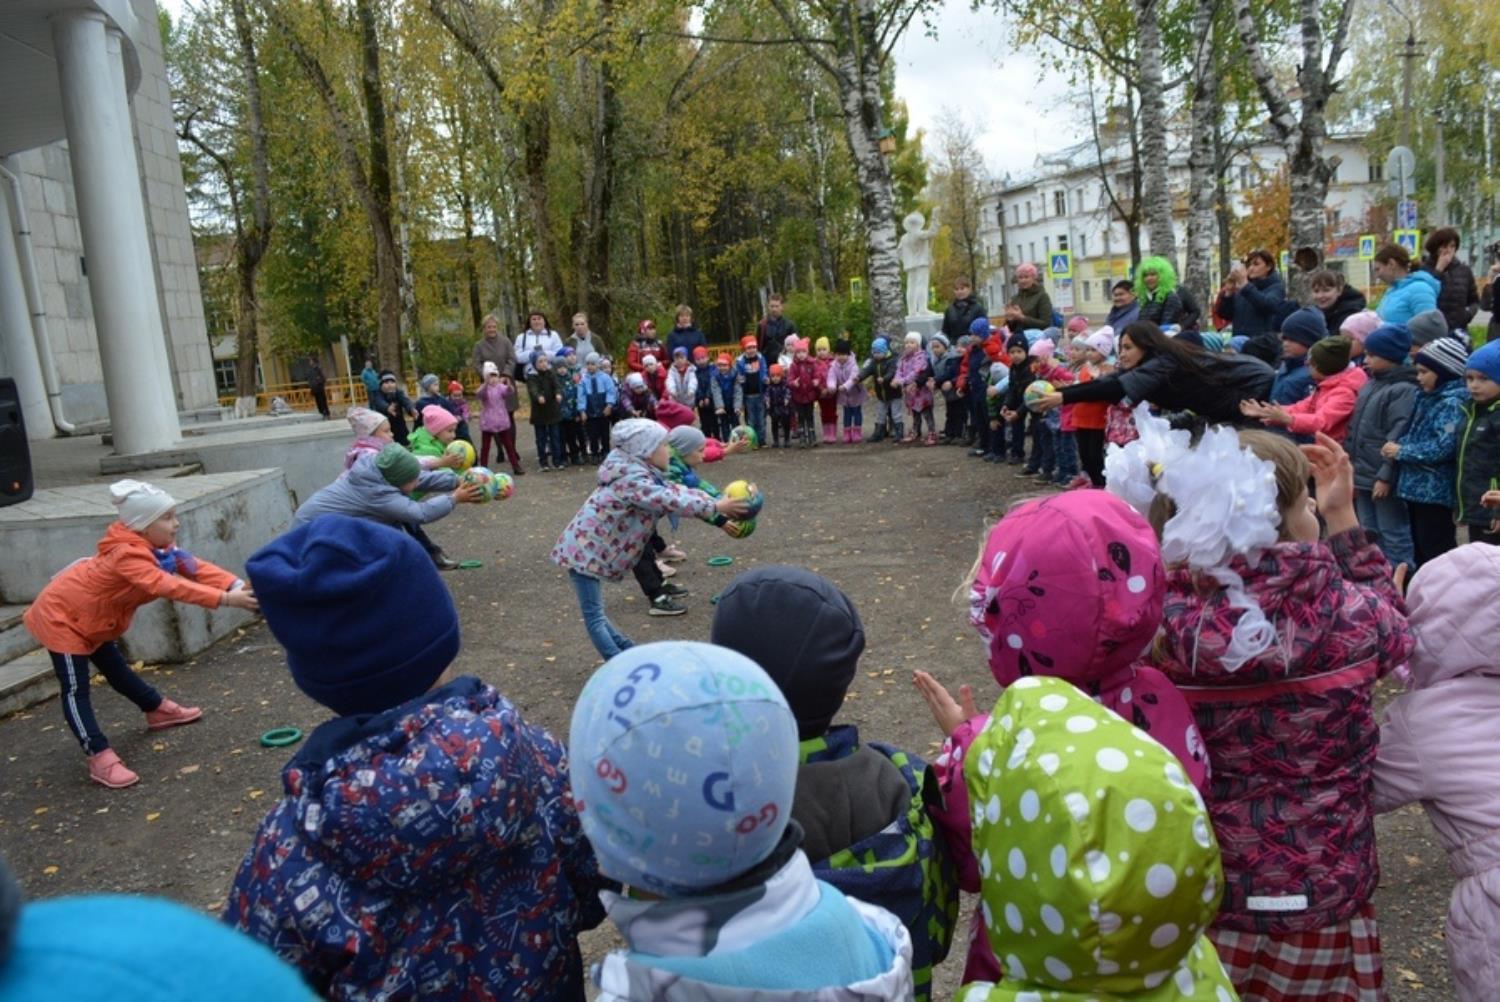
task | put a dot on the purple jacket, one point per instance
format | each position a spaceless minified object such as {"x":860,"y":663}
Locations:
{"x":494,"y":403}
{"x":431,"y":851}
{"x":1291,"y":735}
{"x":912,"y":374}
{"x":1439,"y":744}
{"x":843,"y":376}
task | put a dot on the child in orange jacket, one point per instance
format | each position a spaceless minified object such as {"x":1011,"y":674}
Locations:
{"x":89,"y":604}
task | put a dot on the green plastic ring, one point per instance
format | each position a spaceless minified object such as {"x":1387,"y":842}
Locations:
{"x":280,"y":737}
{"x":720,"y":561}
{"x":470,"y":565}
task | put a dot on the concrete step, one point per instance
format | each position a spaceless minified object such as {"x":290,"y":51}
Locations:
{"x":15,"y":640}
{"x":25,"y":682}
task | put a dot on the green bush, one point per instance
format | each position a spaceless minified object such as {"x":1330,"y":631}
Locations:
{"x":818,"y":314}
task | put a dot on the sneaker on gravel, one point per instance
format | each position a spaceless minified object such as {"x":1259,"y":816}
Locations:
{"x":663,"y":605}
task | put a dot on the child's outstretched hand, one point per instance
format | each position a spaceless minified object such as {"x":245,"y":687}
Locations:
{"x":733,"y":508}
{"x":467,"y":493}
{"x":738,"y":445}
{"x":241,"y":598}
{"x":946,"y":711}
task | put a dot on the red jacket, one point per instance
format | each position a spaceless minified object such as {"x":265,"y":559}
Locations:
{"x":994,"y":350}
{"x":803,"y":379}
{"x":91,"y":601}
{"x":656,"y":380}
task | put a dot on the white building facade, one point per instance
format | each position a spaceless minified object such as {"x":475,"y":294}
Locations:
{"x":96,"y":255}
{"x":1063,"y":206}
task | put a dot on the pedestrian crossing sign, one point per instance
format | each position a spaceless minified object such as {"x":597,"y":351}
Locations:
{"x":1367,"y":247}
{"x":1409,"y":239}
{"x":1062,"y":264}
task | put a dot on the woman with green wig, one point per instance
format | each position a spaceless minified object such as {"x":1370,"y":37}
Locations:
{"x":1157,"y":292}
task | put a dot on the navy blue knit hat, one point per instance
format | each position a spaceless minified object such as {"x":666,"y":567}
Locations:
{"x":1306,"y":327}
{"x":331,"y":591}
{"x":1391,"y":342}
{"x":980,"y":326}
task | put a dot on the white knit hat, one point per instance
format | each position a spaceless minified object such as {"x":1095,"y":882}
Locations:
{"x":490,"y":367}
{"x":637,"y":437}
{"x":140,"y":503}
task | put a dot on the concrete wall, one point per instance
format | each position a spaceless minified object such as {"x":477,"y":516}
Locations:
{"x":225,"y":518}
{"x":47,"y":186}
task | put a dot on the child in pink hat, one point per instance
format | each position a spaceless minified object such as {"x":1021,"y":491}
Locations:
{"x":1070,"y":586}
{"x":1359,"y":326}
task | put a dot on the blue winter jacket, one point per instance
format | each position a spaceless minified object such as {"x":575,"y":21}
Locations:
{"x":1293,"y":381}
{"x":596,"y":391}
{"x":1416,"y":293}
{"x":431,"y":851}
{"x":1429,"y":448}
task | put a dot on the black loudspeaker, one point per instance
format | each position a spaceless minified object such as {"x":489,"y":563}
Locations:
{"x":16,"y":484}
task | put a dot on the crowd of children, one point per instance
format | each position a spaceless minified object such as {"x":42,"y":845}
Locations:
{"x":1172,"y":796}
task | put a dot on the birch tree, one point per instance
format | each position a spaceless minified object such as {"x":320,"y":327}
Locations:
{"x":1301,"y":128}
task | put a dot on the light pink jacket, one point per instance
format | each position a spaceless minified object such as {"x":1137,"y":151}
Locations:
{"x":1440,"y":743}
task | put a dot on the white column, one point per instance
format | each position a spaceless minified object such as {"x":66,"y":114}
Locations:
{"x":15,"y":328}
{"x":112,"y":222}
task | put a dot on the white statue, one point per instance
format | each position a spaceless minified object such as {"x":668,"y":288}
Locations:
{"x":915,"y":250}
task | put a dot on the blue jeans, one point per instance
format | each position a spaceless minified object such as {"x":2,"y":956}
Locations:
{"x":1043,"y":451}
{"x":607,"y":640}
{"x":755,"y":415}
{"x":1017,"y":431}
{"x":1067,"y":456}
{"x":854,"y":417}
{"x":549,"y":441}
{"x":1391,"y":524}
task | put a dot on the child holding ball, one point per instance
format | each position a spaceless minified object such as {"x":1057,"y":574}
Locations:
{"x":606,"y":537}
{"x":87,"y":607}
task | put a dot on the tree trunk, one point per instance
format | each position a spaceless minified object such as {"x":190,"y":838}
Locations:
{"x":377,"y":187}
{"x":819,"y":143}
{"x":1302,"y":130}
{"x":1202,"y":228}
{"x":536,"y":148}
{"x":601,"y":187}
{"x":1153,"y":118}
{"x":471,"y":273}
{"x":254,"y":238}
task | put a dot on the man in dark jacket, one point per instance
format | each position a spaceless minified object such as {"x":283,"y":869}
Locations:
{"x":317,"y":385}
{"x":1458,"y":294}
{"x":962,"y":312}
{"x":774,"y":329}
{"x":1126,"y":309}
{"x":1258,"y":300}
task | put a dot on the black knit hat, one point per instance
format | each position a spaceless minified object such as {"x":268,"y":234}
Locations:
{"x":1330,"y":356}
{"x":802,"y":630}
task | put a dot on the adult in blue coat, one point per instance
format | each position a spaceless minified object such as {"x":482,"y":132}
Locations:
{"x":1411,"y":291}
{"x":684,"y":334}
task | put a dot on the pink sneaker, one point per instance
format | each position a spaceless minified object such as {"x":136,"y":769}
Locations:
{"x":859,"y":434}
{"x":1080,"y":482}
{"x":106,"y":769}
{"x":931,"y":439}
{"x":170,"y":714}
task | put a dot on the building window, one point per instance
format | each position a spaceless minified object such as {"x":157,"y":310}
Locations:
{"x":1016,"y":213}
{"x":1032,"y":255}
{"x":1046,"y":245}
{"x":1086,"y":296}
{"x":1018,"y":253}
{"x":1060,"y":203}
{"x":1028,"y":210}
{"x":1062,"y":242}
{"x":1083,"y":245}
{"x":1079,"y":199}
{"x":1377,"y":170}
{"x":224,"y":376}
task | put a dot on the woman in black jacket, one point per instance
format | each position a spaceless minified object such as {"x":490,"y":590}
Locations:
{"x":1174,"y":375}
{"x":1334,"y":297}
{"x":1458,"y":294}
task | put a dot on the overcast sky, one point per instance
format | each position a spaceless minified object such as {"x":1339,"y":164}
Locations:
{"x":1011,"y":109}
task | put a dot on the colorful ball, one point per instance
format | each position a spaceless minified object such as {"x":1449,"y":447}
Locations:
{"x":1036,"y":391}
{"x":505,"y":486}
{"x":464,"y":451}
{"x":740,"y":529}
{"x":743,"y":490}
{"x":484,"y":479}
{"x":745,"y":433}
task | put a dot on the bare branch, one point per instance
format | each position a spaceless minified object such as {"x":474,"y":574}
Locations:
{"x":470,"y":43}
{"x":809,"y":45}
{"x":1283,"y":119}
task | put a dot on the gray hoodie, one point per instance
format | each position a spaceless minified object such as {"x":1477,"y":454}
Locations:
{"x":1381,"y":411}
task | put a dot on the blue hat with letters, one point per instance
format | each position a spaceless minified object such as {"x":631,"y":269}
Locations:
{"x":684,"y":765}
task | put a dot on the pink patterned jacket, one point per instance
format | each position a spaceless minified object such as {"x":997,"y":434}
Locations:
{"x":1291,"y":735}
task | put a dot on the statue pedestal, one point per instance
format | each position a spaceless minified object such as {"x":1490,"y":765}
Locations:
{"x":926,"y":326}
